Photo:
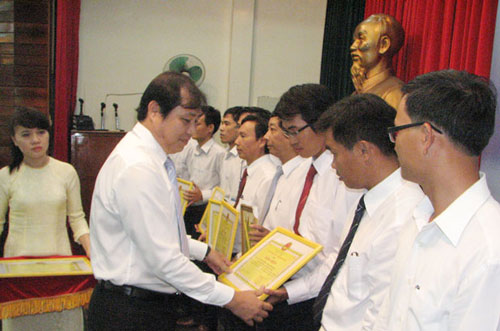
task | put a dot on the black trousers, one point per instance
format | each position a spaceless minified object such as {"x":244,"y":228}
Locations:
{"x":298,"y":316}
{"x":192,"y":217}
{"x":112,"y":310}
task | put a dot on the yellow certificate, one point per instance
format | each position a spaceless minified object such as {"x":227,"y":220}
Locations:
{"x":45,"y":267}
{"x":213,"y":221}
{"x":276,"y":258}
{"x":217,"y":195}
{"x":247,"y":217}
{"x":226,"y":231}
{"x":184,"y":185}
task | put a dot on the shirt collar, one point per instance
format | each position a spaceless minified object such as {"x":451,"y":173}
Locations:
{"x":231,"y":151}
{"x":145,"y":135}
{"x":453,"y":220}
{"x":377,"y":194}
{"x":323,"y":163}
{"x":251,"y":168}
{"x":205,"y":148}
{"x":292,"y":164}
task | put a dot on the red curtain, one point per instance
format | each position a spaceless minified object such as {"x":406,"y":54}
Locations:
{"x":441,"y":34}
{"x":67,"y":27}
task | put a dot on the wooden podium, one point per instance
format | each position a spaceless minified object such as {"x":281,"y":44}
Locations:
{"x":89,"y":150}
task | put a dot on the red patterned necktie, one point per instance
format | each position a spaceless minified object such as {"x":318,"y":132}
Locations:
{"x":303,"y":197}
{"x":243,"y":181}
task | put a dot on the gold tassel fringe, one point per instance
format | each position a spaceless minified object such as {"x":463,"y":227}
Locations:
{"x":44,"y":305}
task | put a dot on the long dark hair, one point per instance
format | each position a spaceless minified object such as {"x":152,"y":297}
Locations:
{"x":29,"y":118}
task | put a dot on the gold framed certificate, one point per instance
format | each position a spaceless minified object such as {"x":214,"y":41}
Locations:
{"x":226,"y":230}
{"x":246,"y":218}
{"x":270,"y":263}
{"x":70,"y":266}
{"x":213,"y":221}
{"x":184,"y":185}
{"x":218,"y":195}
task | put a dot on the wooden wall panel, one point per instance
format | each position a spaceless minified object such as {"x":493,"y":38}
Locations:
{"x":24,"y":61}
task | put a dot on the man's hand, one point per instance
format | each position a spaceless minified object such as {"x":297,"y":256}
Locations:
{"x":276,"y":296}
{"x":217,"y":262}
{"x":256,"y":233}
{"x":193,"y":195}
{"x":247,"y":306}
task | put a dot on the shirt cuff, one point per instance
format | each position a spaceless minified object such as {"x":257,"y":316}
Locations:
{"x":297,"y":291}
{"x":197,"y":249}
{"x":221,"y":295}
{"x":205,"y":195}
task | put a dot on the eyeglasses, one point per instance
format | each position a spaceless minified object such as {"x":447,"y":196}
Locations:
{"x":394,"y":130}
{"x":292,"y":134}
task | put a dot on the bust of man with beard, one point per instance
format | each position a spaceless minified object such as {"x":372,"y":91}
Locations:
{"x":376,"y":40}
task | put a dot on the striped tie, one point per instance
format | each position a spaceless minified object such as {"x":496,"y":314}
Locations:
{"x":320,"y":302}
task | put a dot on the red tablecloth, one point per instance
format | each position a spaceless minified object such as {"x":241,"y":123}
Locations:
{"x":34,"y":295}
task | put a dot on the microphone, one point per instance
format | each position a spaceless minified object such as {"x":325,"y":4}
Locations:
{"x":80,"y":100}
{"x":103,"y":106}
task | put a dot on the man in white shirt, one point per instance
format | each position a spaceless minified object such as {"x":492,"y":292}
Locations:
{"x":447,"y":269}
{"x":232,"y":165}
{"x":203,"y":164}
{"x":284,"y":198}
{"x":251,"y":147}
{"x":139,"y":249}
{"x":356,"y":134}
{"x":322,"y":207}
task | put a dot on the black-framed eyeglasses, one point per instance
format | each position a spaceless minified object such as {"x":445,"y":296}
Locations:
{"x":291,"y":134}
{"x":394,"y":130}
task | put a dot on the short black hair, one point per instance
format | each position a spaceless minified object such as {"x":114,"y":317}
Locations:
{"x":29,"y":118}
{"x":360,"y":117}
{"x":235,"y":112}
{"x":258,"y":111}
{"x":165,"y":89}
{"x":307,"y":100}
{"x":260,"y":126}
{"x":212,"y":116}
{"x":461,"y":104}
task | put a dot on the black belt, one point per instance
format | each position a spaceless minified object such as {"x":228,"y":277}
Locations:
{"x":135,"y":292}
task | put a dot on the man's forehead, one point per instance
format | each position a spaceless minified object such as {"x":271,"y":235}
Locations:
{"x":293,"y":122}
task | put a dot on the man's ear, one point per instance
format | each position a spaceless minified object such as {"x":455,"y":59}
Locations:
{"x":384,"y":44}
{"x":212,"y":128}
{"x":363,"y":149}
{"x":428,"y":137}
{"x":153,"y":109}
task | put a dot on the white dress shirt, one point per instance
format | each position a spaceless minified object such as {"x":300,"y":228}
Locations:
{"x":203,"y":165}
{"x":230,"y":174}
{"x":447,"y":272}
{"x":260,"y":176}
{"x":322,"y":221}
{"x":180,"y":159}
{"x":287,"y":194}
{"x":134,"y":226}
{"x":364,"y":278}
{"x":259,"y":180}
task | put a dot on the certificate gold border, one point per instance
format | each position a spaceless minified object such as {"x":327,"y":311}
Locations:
{"x":314,"y":250}
{"x":184,"y":185}
{"x":227,"y":208}
{"x":41,"y":274}
{"x":245,"y":240}
{"x":203,"y":225}
{"x":213,"y":224}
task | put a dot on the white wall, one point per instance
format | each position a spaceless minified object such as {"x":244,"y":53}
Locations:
{"x":490,"y":159}
{"x":125,"y":43}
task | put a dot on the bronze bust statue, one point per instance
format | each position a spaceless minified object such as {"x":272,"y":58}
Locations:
{"x":376,"y":40}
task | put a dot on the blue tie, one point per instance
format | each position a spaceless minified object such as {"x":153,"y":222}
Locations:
{"x":270,"y":194}
{"x":172,"y":176}
{"x":320,"y":302}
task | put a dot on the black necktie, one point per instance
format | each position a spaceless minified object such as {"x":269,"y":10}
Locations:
{"x":320,"y":302}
